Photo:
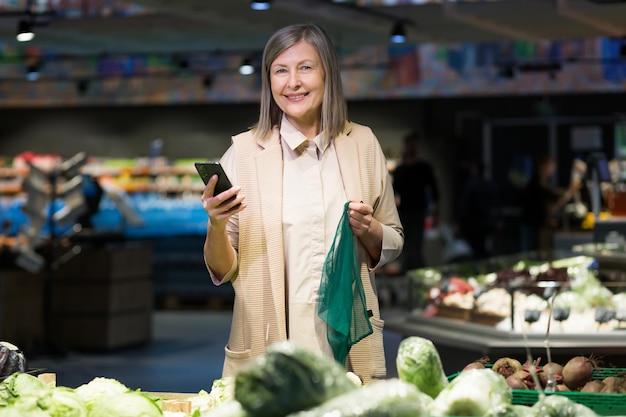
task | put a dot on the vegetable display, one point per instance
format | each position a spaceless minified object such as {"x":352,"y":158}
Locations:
{"x":578,"y":375}
{"x":290,"y":381}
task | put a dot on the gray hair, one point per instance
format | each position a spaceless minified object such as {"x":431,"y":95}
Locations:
{"x":334,"y":108}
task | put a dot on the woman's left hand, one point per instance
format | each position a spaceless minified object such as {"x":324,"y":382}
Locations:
{"x":361,"y":217}
{"x":366,"y":228}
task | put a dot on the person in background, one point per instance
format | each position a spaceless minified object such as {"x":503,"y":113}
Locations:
{"x":541,"y":202}
{"x":478,"y":217}
{"x":93,"y":192}
{"x":417,"y":197}
{"x":294,"y":171}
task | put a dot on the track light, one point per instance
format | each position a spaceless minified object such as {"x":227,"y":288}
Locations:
{"x":246,"y":67}
{"x":24,"y":31}
{"x":260,"y":5}
{"x":398,"y":35}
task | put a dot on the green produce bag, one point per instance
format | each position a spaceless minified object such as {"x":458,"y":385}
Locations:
{"x":341,"y":297}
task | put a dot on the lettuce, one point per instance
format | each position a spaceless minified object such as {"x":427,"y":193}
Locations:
{"x":57,"y":402}
{"x":388,"y":398}
{"x":476,"y":392}
{"x":222,"y":390}
{"x":561,"y":406}
{"x":287,"y":378}
{"x":418,"y":362}
{"x":18,"y":385}
{"x":99,"y":387}
{"x":127,"y":404}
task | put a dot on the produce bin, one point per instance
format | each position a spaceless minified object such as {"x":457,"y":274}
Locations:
{"x":602,"y":404}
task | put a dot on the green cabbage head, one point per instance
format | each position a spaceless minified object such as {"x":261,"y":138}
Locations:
{"x":476,"y":392}
{"x":127,"y":404}
{"x":418,"y":362}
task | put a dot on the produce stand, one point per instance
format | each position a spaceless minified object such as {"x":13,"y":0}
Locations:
{"x":462,"y":335}
{"x":463,"y":342}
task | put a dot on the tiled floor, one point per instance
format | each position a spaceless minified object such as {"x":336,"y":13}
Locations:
{"x":185,"y":355}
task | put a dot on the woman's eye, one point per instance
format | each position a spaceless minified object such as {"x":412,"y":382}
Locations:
{"x":280,"y":71}
{"x":305,"y":68}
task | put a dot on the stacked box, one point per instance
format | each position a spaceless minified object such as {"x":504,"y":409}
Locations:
{"x":21,"y":308}
{"x":102,"y":298}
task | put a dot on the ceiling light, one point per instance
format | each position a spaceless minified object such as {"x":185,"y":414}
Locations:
{"x":246,"y":68}
{"x":260,"y":5}
{"x":398,"y":35}
{"x":24,"y":31}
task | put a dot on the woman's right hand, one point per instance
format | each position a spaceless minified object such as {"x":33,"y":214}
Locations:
{"x":218,"y":207}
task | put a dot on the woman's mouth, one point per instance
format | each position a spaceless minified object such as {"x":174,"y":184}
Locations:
{"x":295,"y":96}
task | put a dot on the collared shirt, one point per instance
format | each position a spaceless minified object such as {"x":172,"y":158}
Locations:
{"x":313,"y":200}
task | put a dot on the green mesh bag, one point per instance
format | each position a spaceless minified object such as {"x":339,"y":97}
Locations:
{"x":341,"y":297}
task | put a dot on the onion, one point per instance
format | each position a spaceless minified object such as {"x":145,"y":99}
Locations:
{"x":562,"y":388}
{"x":477,"y":364}
{"x":593,"y":386}
{"x":515,"y":382}
{"x":611,"y":384}
{"x":551,"y":368}
{"x":506,"y":366}
{"x":578,"y":371}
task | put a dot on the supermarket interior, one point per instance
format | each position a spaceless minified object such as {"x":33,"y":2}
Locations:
{"x":106,"y":110}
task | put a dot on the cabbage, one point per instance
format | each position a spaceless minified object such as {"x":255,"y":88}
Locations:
{"x":99,"y":387}
{"x":230,"y":408}
{"x":572,"y":300}
{"x":619,"y":301}
{"x":287,"y":378}
{"x":19,"y":384}
{"x":561,"y":406}
{"x":63,"y":402}
{"x":222,"y":390}
{"x":127,"y":404}
{"x":524,"y":411}
{"x":475,"y":392}
{"x":16,"y":412}
{"x":388,"y":398}
{"x":418,"y":362}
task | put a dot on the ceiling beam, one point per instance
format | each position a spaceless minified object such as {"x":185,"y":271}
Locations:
{"x":451,"y":12}
{"x":564,"y":8}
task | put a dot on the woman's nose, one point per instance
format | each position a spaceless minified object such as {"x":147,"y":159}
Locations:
{"x":294,"y":80}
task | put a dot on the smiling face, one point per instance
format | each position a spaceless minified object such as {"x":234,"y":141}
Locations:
{"x":297,"y":84}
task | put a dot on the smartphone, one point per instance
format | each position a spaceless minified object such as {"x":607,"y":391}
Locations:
{"x":207,"y":170}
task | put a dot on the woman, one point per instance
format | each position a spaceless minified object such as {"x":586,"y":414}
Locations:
{"x":294,"y":171}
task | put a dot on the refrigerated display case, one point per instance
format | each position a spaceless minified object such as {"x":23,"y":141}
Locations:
{"x":517,"y":305}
